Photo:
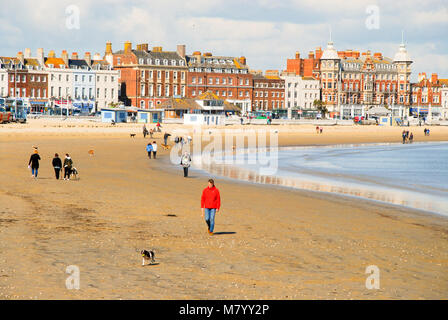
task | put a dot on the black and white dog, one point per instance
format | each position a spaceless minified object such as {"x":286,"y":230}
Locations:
{"x":147,"y":255}
{"x":74,"y":172}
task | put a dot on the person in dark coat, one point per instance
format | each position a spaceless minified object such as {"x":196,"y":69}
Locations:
{"x":68,"y":163}
{"x":34,"y":163}
{"x":57,"y":165}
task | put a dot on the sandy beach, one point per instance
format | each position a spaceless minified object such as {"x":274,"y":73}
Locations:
{"x":270,"y":243}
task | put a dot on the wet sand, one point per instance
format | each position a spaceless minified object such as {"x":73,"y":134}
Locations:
{"x":271,"y":243}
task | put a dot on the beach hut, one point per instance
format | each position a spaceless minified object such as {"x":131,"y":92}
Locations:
{"x":149,"y":115}
{"x":117,"y":115}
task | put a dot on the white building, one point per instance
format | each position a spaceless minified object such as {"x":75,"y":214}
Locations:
{"x":300,"y":94}
{"x":106,"y":83}
{"x":60,"y":78}
{"x":3,"y":82}
{"x":444,"y":99}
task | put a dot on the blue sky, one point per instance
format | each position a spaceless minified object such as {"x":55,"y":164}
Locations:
{"x":267,"y":32}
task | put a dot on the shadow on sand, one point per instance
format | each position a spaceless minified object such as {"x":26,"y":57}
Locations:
{"x":224,"y":232}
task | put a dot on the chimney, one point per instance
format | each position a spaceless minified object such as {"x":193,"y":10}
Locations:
{"x":51,"y":54}
{"x":27,"y":53}
{"x":20,"y":56}
{"x":434,"y":78}
{"x":157,"y":49}
{"x":297,"y":55}
{"x":88,"y":58}
{"x":40,"y":56}
{"x":143,"y":47}
{"x":181,"y":48}
{"x":108,"y":48}
{"x":197,"y":56}
{"x":127,"y":47}
{"x":311,"y":55}
{"x":74,"y":55}
{"x":64,"y":56}
{"x":96,"y":56}
{"x":243,"y":60}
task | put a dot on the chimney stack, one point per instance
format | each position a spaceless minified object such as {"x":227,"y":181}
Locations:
{"x":434,"y":78}
{"x":96,"y":56}
{"x":74,"y":55}
{"x":20,"y":56}
{"x":40,"y":56}
{"x":243,"y":60}
{"x":297,"y":55}
{"x":143,"y":47}
{"x":27,"y":53}
{"x":108,"y":48}
{"x":64,"y":56}
{"x":51,"y":54}
{"x":311,"y":55}
{"x":181,"y":48}
{"x":88,"y":58}
{"x":127,"y":47}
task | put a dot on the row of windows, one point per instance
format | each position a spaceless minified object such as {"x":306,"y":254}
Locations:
{"x":158,"y":62}
{"x":22,"y":78}
{"x":173,"y":74}
{"x":306,"y":86}
{"x":424,"y":99}
{"x":305,"y":95}
{"x":266,"y":94}
{"x":228,"y":70}
{"x":21,"y":92}
{"x":266,"y":85}
{"x":223,"y":93}
{"x":167,"y":92}
{"x":274,"y":104}
{"x":83,"y":78}
{"x":220,"y":80}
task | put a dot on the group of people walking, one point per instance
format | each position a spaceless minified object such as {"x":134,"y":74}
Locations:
{"x":151,"y":148}
{"x":57,"y":164}
{"x":426,"y":132}
{"x":407,"y":137}
{"x":319,"y":129}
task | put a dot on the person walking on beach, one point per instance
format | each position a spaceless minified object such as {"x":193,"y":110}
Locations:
{"x":145,"y":131}
{"x":149,"y":149}
{"x":57,"y":165}
{"x":165,"y":138}
{"x":154,"y":149}
{"x":68,"y":163}
{"x":185,"y":162}
{"x":210,"y":204}
{"x":321,"y":129}
{"x":34,"y":163}
{"x":317,"y":129}
{"x":411,"y":138}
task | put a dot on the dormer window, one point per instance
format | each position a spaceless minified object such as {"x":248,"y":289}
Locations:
{"x":148,"y":61}
{"x":157,"y":61}
{"x":181,"y":62}
{"x":141,"y":61}
{"x":165,"y":62}
{"x":173,"y":62}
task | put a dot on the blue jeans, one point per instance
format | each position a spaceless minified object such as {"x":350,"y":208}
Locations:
{"x":210,"y":218}
{"x":34,"y":171}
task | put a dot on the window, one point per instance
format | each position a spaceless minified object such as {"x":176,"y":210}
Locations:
{"x":217,"y":80}
{"x":193,"y":80}
{"x":142,"y":103}
{"x":210,"y":80}
{"x":167,"y":75}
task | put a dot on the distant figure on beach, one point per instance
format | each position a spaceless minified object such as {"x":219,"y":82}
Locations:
{"x":68,"y":163}
{"x":154,"y":149}
{"x":158,"y":126}
{"x":189,"y":139}
{"x":317,"y":129}
{"x":321,"y":129}
{"x":57,"y":165}
{"x":403,"y":136}
{"x":411,"y":138}
{"x":145,"y":131}
{"x":241,"y":120}
{"x":185,"y":162}
{"x":34,"y":163}
{"x":151,"y":132}
{"x":165,"y":137}
{"x":210,"y":204}
{"x":149,"y":149}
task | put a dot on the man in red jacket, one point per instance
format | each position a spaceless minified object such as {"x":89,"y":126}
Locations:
{"x":210,"y":204}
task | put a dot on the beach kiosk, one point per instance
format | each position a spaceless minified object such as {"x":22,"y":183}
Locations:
{"x":117,"y":115}
{"x":149,"y":115}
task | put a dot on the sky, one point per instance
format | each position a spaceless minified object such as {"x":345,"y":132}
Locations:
{"x":266,"y":32}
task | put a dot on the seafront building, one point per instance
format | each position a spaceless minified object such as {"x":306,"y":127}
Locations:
{"x":149,"y":77}
{"x":300,"y":93}
{"x":268,"y":92}
{"x":227,"y":77}
{"x":352,"y":83}
{"x":429,"y":97}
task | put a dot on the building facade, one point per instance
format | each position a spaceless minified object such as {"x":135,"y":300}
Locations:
{"x":106,"y":83}
{"x":427,"y":96}
{"x":268,"y":92}
{"x":227,"y":77}
{"x":149,"y":77}
{"x":300,"y":94}
{"x":3,"y":80}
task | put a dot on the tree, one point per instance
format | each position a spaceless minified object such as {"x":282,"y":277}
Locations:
{"x":321,"y":107}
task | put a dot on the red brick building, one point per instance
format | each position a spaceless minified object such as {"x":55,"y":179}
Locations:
{"x":427,"y":92}
{"x":149,"y":77}
{"x":305,"y":67}
{"x":26,"y":79}
{"x":268,"y":91}
{"x":226,"y":77}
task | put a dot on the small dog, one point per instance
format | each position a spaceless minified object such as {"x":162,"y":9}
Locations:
{"x":166,"y":146}
{"x":132,"y":135}
{"x":74,"y":173}
{"x":147,"y":255}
